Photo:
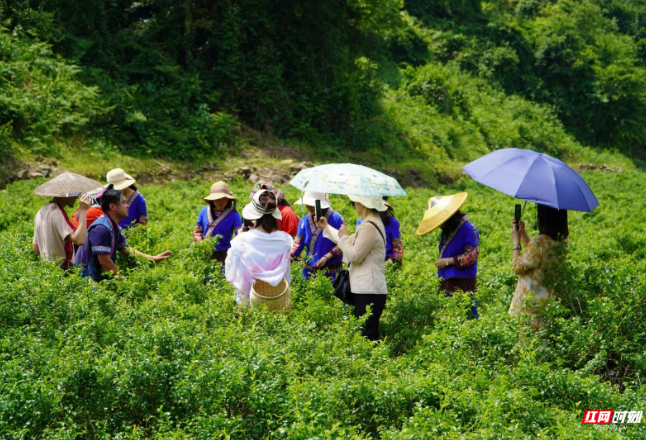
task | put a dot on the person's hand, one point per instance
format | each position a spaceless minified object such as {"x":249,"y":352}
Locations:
{"x":522,"y":228}
{"x":161,"y":257}
{"x":85,"y":202}
{"x":321,"y":222}
{"x":322,"y":261}
{"x":343,"y":231}
{"x":442,"y":263}
{"x":515,"y":233}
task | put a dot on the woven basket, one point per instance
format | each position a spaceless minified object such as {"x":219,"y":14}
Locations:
{"x":276,"y":299}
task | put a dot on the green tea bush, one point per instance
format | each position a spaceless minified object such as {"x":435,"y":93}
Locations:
{"x":164,"y":353}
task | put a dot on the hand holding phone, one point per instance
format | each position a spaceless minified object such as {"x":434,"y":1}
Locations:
{"x":317,"y":207}
{"x":517,"y":214}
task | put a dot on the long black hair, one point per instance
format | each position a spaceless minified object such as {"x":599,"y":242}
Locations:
{"x":449,"y":226}
{"x":552,"y":222}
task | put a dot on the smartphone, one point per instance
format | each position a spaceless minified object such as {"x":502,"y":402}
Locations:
{"x":317,"y":207}
{"x":517,"y":212}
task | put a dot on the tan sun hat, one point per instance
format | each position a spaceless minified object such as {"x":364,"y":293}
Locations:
{"x":119,"y":179}
{"x":218,"y":191}
{"x":438,"y":210}
{"x":371,"y":202}
{"x":67,"y":185}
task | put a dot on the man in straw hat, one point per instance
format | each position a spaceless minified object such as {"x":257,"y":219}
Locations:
{"x":459,"y":244}
{"x":54,"y":234}
{"x":104,"y":238}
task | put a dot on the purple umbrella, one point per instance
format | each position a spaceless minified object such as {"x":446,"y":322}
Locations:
{"x":535,"y":177}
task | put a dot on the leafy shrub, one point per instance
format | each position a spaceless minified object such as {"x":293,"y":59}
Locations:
{"x":162,"y":354}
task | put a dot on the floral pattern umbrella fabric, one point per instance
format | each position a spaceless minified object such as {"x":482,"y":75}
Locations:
{"x":348,"y":179}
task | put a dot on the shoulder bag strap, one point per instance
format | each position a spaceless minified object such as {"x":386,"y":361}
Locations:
{"x":378,"y":230}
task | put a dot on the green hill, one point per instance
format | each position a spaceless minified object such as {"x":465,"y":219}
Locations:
{"x":424,"y":84}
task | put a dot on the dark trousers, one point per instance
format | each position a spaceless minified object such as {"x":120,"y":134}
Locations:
{"x":378,"y":303}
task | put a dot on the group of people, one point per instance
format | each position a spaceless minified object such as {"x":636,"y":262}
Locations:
{"x":261,"y":244}
{"x":93,"y":237}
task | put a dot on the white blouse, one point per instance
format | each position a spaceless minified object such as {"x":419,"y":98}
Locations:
{"x":256,"y":255}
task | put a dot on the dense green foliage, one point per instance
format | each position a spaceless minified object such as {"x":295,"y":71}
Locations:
{"x":160,"y":354}
{"x":179,"y":79}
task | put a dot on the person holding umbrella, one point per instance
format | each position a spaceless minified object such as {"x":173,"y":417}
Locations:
{"x":555,"y":188}
{"x":457,"y":266}
{"x":365,"y":250}
{"x":535,"y":266}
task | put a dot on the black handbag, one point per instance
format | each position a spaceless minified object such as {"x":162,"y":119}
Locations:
{"x":342,"y":289}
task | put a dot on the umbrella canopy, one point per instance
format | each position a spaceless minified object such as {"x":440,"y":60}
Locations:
{"x":346,"y":178}
{"x":535,"y":177}
{"x":67,"y":185}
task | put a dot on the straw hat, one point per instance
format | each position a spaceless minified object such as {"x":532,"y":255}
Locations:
{"x":219,"y":190}
{"x":119,"y":179}
{"x":67,"y":185}
{"x":372,"y":202}
{"x":309,"y":198}
{"x":440,"y":209}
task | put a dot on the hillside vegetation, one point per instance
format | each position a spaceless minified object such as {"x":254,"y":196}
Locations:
{"x":425,"y":84}
{"x":162,"y":355}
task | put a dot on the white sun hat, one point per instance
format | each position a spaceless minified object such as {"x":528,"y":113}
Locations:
{"x":371,"y":202}
{"x":254,"y":210}
{"x":309,"y":198}
{"x":119,"y":179}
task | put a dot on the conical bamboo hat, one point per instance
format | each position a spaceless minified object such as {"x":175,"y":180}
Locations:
{"x":67,"y":185}
{"x":438,"y":210}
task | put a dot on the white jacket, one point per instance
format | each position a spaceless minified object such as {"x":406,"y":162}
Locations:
{"x":365,"y":250}
{"x":256,"y":255}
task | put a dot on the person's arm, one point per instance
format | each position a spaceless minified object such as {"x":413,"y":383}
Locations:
{"x":398,"y":250}
{"x":298,"y":246}
{"x":36,"y":248}
{"x":156,"y":258}
{"x":523,"y":234}
{"x":107,"y":264}
{"x":198,"y":230}
{"x":142,"y":218}
{"x":78,"y":236}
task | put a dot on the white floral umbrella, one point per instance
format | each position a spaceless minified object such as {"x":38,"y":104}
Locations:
{"x":347,"y":178}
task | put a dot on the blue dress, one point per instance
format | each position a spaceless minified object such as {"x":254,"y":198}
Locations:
{"x":393,"y":235}
{"x":311,"y":237}
{"x":137,"y":211}
{"x":227,"y":228}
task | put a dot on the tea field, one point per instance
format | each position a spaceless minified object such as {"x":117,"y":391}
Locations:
{"x":161,"y":354}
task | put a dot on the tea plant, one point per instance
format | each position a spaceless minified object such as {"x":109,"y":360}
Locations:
{"x":165,"y":354}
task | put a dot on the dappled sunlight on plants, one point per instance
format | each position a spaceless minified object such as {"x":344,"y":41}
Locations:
{"x":165,"y":352}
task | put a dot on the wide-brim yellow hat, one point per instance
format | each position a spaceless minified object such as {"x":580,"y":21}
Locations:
{"x":438,"y":210}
